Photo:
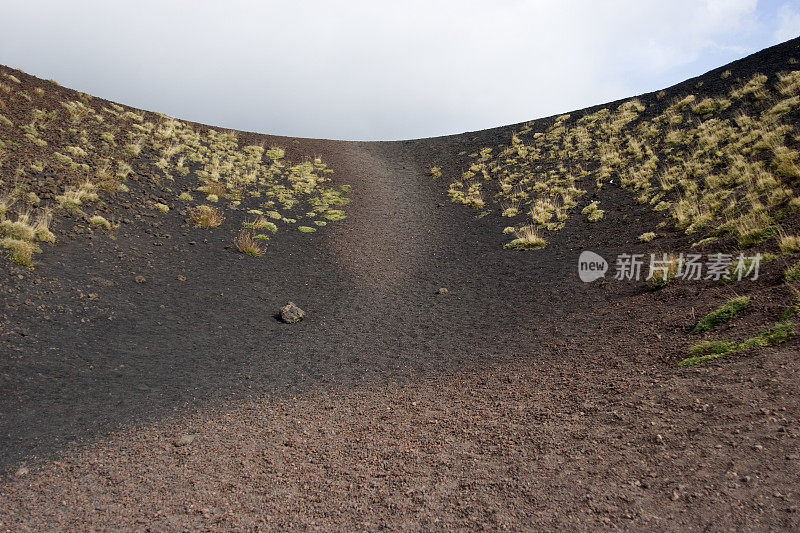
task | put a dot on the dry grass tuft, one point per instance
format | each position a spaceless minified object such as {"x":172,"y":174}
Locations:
{"x":21,"y":251}
{"x":42,"y":227}
{"x":789,"y":244}
{"x":789,"y":84}
{"x":100,"y":222}
{"x":74,"y":197}
{"x":20,"y":229}
{"x":248,"y":245}
{"x":527,"y":238}
{"x":206,"y":216}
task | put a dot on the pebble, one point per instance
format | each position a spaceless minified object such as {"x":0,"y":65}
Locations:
{"x":184,"y":440}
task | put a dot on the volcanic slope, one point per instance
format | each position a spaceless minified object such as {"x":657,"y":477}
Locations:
{"x":147,"y":383}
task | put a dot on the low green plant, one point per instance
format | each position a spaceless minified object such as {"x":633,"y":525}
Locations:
{"x":782,"y":331}
{"x":754,"y":86}
{"x":262,"y":223}
{"x":647,"y":237}
{"x":722,"y":314}
{"x":793,"y":273}
{"x":42,"y":227}
{"x":334,"y":214}
{"x":593,"y":212}
{"x":756,"y":236}
{"x":19,"y":229}
{"x":707,"y":350}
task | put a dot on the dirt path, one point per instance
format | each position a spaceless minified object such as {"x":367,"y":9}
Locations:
{"x":390,"y":233}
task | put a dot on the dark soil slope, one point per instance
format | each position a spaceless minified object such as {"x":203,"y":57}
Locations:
{"x":147,"y":383}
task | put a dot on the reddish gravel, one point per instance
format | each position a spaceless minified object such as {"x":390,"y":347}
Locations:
{"x":564,"y":438}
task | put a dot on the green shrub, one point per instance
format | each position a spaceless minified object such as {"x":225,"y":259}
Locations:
{"x":793,"y":272}
{"x":592,"y":212}
{"x":722,"y":314}
{"x":707,"y":350}
{"x":781,"y":332}
{"x":754,"y":237}
{"x":778,"y":334}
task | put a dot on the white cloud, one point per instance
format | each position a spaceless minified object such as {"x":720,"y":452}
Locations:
{"x":789,"y":23}
{"x":364,"y":69}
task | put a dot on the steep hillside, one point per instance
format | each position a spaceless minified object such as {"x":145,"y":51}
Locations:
{"x":149,"y":384}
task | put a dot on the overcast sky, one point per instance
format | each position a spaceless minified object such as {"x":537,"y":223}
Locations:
{"x":379,"y":69}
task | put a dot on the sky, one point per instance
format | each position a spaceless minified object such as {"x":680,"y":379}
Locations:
{"x":380,"y":70}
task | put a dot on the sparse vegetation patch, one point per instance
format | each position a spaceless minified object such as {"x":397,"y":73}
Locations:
{"x":95,"y":150}
{"x":713,"y":173}
{"x":722,"y":314}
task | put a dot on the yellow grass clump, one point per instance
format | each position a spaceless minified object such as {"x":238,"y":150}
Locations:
{"x":248,"y":245}
{"x":527,"y":238}
{"x":206,"y":216}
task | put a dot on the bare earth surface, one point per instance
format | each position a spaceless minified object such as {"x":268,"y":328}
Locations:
{"x":563,"y":437}
{"x":522,"y":399}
